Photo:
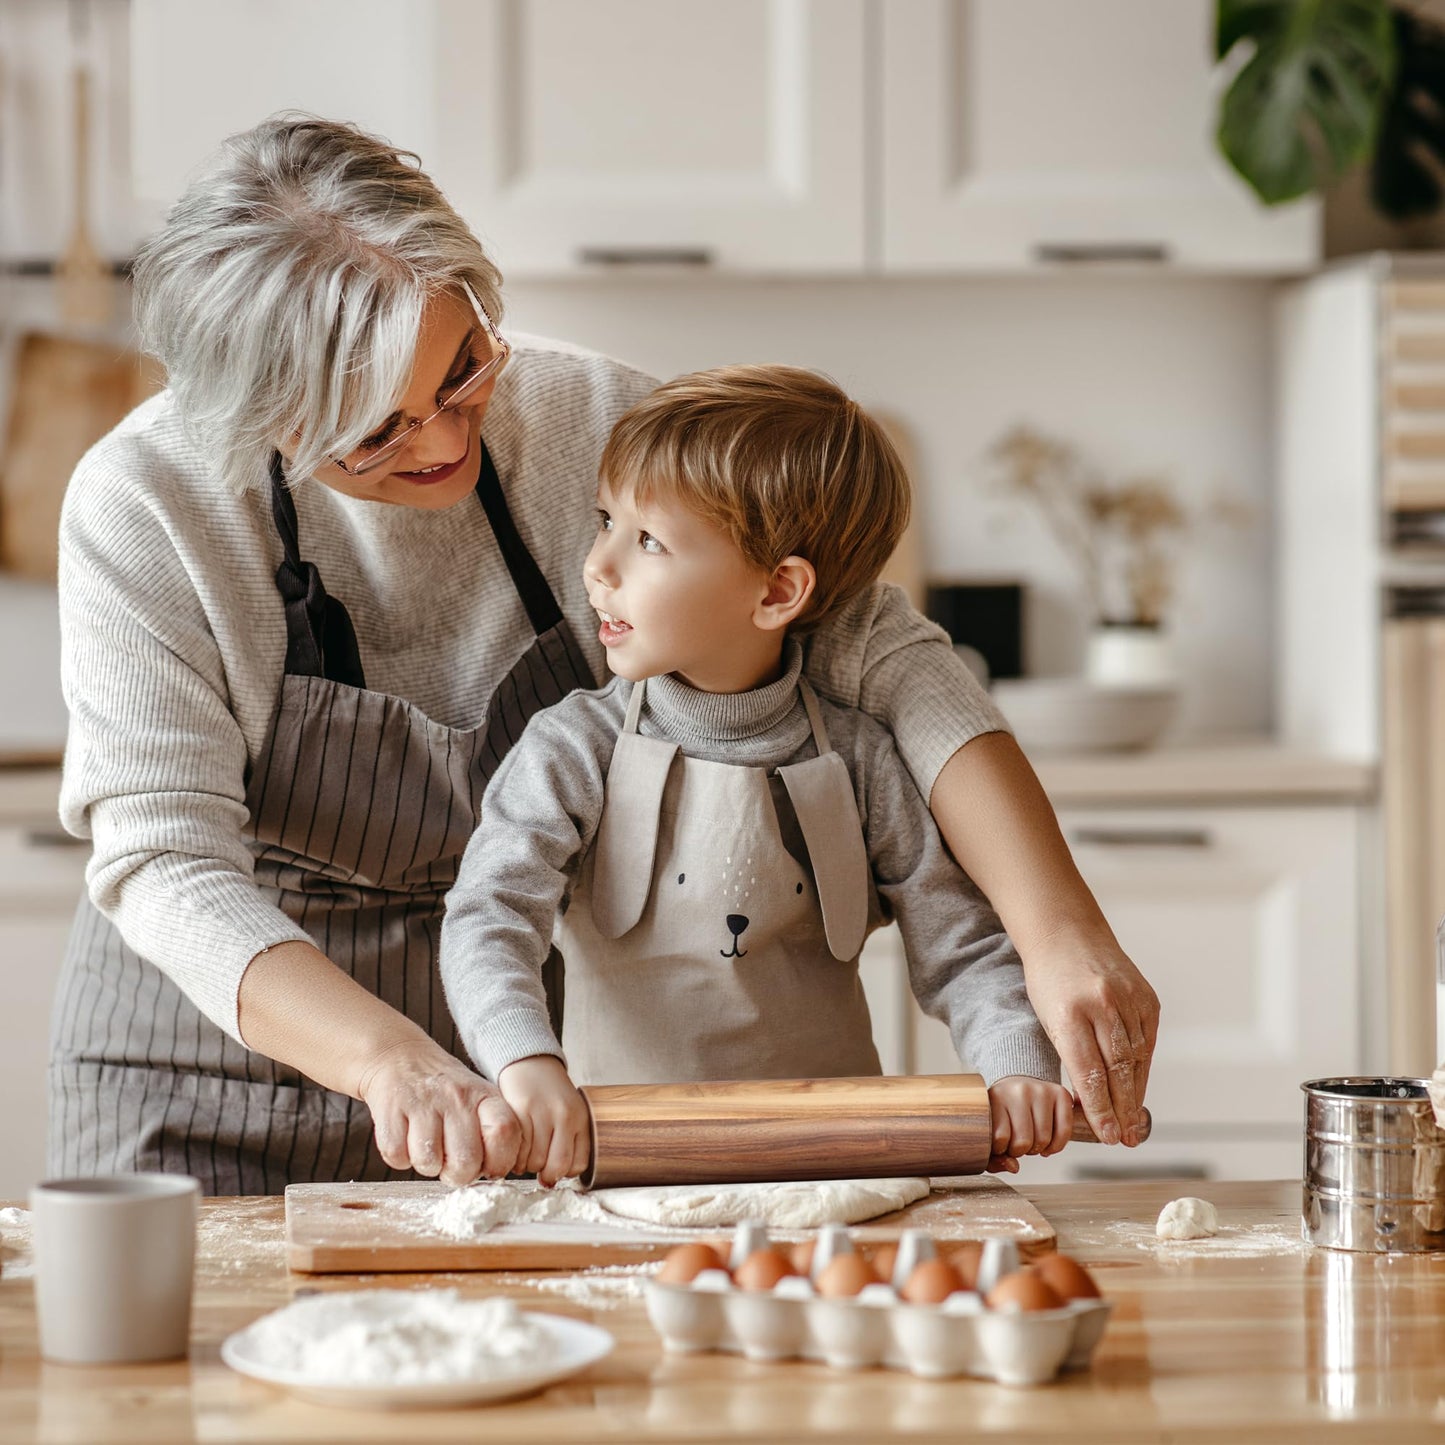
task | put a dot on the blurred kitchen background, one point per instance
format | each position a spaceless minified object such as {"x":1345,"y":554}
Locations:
{"x":1177,"y":455}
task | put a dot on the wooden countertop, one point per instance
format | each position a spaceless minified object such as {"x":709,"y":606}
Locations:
{"x":1251,"y":1338}
{"x":1248,"y":772}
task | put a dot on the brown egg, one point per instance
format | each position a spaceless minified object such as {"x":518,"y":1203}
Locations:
{"x":762,"y":1269}
{"x":883,"y":1259}
{"x":932,"y":1282}
{"x":1023,"y":1290}
{"x":845,"y":1275}
{"x":1066,"y":1277}
{"x":965,"y":1258}
{"x":688,"y":1261}
{"x":802,"y":1256}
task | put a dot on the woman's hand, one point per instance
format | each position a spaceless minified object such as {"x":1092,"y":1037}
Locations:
{"x":433,"y":1115}
{"x":1030,"y":1116}
{"x":556,"y":1123}
{"x":1103,"y":1018}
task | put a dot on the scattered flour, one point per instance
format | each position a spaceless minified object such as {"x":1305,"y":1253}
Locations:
{"x":395,"y":1337}
{"x":16,"y":1261}
{"x":476,"y":1210}
{"x":1241,"y":1242}
{"x":606,"y":1287}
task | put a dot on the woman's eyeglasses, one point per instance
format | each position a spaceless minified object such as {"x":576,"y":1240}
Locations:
{"x":457,"y":396}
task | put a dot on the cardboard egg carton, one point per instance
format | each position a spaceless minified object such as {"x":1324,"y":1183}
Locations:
{"x":961,"y":1336}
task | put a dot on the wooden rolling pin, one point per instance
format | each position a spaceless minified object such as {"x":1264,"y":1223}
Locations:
{"x":757,"y":1130}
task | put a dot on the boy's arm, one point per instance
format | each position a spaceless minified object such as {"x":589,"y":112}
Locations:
{"x":539,"y":816}
{"x":961,"y":964}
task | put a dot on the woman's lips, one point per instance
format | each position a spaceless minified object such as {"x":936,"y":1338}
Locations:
{"x":428,"y":479}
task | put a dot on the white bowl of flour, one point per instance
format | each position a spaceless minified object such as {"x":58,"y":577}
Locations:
{"x":396,"y":1349}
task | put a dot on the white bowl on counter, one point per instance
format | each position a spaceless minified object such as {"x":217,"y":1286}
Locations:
{"x":1074,"y":715}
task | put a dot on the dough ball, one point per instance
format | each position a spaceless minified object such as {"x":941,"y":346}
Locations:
{"x":1187,"y":1218}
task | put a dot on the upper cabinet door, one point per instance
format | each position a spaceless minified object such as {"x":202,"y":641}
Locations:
{"x":1026,"y":133}
{"x":584,"y":137}
{"x":201,"y":72}
{"x":574,"y":136}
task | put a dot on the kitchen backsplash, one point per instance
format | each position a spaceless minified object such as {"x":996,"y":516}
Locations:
{"x":1165,"y":376}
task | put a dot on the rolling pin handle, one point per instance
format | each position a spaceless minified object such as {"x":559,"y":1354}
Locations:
{"x":1083,"y":1134}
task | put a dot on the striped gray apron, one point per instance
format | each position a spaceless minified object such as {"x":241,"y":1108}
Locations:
{"x":360,"y":807}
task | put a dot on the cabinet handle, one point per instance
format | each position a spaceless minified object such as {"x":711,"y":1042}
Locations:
{"x":53,"y":838}
{"x":1077,"y":253}
{"x":1127,"y":1173}
{"x":1142,"y":837}
{"x":694,"y":256}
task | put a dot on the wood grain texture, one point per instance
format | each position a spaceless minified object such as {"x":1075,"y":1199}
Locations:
{"x":756,"y":1130}
{"x":374,"y":1228}
{"x":1275,"y":1346}
{"x":67,"y":394}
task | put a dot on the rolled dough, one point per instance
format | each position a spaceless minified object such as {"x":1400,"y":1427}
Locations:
{"x":788,"y":1205}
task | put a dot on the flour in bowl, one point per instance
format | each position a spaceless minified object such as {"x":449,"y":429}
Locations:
{"x":395,"y":1337}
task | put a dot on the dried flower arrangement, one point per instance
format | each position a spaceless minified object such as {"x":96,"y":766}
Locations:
{"x":1122,"y":536}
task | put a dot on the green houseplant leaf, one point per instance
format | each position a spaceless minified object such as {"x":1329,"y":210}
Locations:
{"x":1404,"y":181}
{"x":1306,"y":105}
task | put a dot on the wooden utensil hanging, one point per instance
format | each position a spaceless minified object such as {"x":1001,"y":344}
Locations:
{"x":85,"y":285}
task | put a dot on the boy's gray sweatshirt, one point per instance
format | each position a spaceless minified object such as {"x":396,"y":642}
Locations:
{"x":540,"y":815}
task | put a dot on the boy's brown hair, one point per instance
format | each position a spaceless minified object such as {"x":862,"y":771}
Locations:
{"x":781,"y":460}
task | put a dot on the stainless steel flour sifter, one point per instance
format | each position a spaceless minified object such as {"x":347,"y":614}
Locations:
{"x":1374,"y":1175}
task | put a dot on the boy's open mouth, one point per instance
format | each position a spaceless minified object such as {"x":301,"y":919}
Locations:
{"x":613,"y":629}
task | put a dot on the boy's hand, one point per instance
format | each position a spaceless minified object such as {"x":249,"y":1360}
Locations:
{"x":1029,"y":1117}
{"x":556,"y":1125}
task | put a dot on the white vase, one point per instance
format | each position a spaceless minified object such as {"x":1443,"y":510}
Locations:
{"x":1121,"y":655}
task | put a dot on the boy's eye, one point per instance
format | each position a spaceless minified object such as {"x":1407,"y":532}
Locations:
{"x":604,"y":522}
{"x":649,"y":543}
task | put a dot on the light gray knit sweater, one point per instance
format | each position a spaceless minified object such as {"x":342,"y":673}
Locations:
{"x":540,"y":817}
{"x":173,"y":644}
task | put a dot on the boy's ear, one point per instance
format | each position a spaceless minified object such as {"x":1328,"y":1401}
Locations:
{"x":789,"y":589}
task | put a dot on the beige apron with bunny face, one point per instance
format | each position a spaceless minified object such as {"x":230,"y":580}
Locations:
{"x":697,"y":945}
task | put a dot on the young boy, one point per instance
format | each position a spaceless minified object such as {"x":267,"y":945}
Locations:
{"x":720,"y":840}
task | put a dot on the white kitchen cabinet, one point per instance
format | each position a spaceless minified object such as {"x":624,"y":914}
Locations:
{"x":1246,"y":920}
{"x":42,"y":875}
{"x":1037,"y":133}
{"x":574,"y":137}
{"x":584,"y":137}
{"x":806,"y":137}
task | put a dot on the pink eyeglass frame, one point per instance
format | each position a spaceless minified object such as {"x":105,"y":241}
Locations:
{"x":487,"y":372}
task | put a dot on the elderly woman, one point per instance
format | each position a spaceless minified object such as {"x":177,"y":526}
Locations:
{"x":311,"y":593}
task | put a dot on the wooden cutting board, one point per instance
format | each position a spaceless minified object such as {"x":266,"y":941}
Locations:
{"x":374,"y":1228}
{"x":66,"y":393}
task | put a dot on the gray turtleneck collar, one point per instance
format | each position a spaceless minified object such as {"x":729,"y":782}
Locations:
{"x":748,"y":728}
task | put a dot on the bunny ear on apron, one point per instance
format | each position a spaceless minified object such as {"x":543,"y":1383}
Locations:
{"x":626,"y":842}
{"x":821,"y":792}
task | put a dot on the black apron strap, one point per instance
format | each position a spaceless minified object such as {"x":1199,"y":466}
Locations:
{"x":320,"y":640}
{"x":531,"y":585}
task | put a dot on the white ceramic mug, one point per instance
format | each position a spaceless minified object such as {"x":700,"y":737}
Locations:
{"x":114,"y":1263}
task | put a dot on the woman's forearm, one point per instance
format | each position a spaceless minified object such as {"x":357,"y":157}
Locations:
{"x":429,"y":1111}
{"x":1001,"y":827}
{"x":299,"y":1008}
{"x":1095,"y":1005}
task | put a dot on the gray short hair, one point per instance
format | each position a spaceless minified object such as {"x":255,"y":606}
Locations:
{"x":285,"y":291}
